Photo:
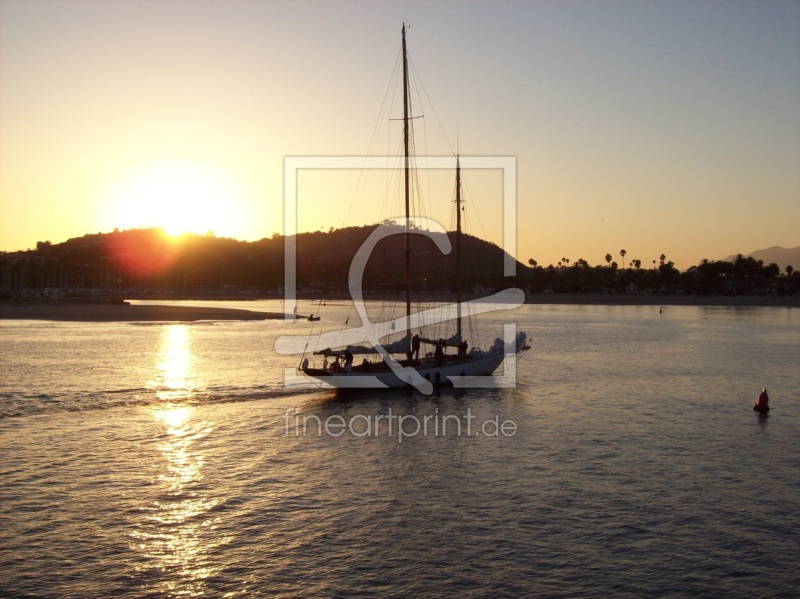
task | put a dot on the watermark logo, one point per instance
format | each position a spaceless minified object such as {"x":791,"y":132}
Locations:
{"x":372,"y":333}
{"x":399,"y":426}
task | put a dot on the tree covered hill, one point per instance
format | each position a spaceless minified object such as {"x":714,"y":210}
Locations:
{"x":150,"y":260}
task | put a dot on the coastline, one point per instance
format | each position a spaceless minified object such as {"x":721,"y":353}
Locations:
{"x":730,"y":301}
{"x":122,"y":312}
{"x":589,"y":299}
{"x":76,"y":311}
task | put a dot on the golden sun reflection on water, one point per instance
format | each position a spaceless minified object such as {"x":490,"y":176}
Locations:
{"x":176,"y":380}
{"x":175,"y":532}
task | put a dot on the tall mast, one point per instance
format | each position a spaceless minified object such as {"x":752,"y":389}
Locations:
{"x":458,"y":246}
{"x":407,"y":234}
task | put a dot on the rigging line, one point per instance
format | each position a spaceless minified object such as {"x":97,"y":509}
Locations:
{"x":349,"y":313}
{"x":308,"y":338}
{"x":383,"y":205}
{"x":395,"y":189}
{"x":412,"y":172}
{"x":386,"y":95}
{"x":453,"y":211}
{"x":465,"y":186}
{"x":424,"y":210}
{"x":305,"y":349}
{"x":427,"y":97}
{"x":421,"y":209}
{"x":517,"y":357}
{"x":417,"y":193}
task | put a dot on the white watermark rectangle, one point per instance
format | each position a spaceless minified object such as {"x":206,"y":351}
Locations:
{"x":507,"y":299}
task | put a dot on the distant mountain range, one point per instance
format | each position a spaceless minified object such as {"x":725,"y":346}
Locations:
{"x":783,"y":257}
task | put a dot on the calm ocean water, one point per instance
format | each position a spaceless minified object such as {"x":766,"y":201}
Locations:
{"x":151,"y":460}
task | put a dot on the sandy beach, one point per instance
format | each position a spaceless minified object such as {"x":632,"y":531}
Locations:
{"x":99,"y":312}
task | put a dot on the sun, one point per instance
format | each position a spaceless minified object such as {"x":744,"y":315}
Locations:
{"x":179,"y":198}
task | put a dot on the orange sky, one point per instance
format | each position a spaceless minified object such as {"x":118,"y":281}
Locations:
{"x":659,"y":128}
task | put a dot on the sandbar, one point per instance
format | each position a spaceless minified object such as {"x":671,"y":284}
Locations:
{"x":118,"y":312}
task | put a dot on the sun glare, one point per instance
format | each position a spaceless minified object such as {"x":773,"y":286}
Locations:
{"x":179,"y":199}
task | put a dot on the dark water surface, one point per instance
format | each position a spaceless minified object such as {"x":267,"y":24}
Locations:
{"x":170,"y":460}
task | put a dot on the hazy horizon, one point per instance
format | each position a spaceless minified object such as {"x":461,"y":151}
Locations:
{"x":658,"y":128}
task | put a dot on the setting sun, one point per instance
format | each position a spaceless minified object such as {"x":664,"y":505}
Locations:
{"x":179,"y":198}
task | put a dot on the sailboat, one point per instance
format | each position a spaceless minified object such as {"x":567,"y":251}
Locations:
{"x":466,"y":367}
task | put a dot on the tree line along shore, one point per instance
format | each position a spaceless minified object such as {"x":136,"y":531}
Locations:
{"x":148,"y":264}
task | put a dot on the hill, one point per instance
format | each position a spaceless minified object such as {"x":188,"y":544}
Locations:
{"x":783,"y":257}
{"x":151,"y":261}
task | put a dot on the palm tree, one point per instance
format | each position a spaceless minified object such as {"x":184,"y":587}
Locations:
{"x":622,"y":253}
{"x":609,"y":257}
{"x":532,"y":262}
{"x":662,"y":258}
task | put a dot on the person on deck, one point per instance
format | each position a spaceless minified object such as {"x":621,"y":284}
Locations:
{"x":438,"y":353}
{"x":462,"y":350}
{"x":415,"y":347}
{"x":348,"y":360}
{"x":762,"y":403}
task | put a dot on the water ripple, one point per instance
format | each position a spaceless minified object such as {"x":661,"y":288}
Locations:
{"x":638,"y":469}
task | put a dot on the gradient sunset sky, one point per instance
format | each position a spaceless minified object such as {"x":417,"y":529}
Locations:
{"x":659,"y":127}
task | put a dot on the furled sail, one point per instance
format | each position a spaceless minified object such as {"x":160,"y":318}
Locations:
{"x":396,"y":347}
{"x":449,"y":342}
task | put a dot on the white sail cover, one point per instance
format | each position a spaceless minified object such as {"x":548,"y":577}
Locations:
{"x":499,"y":346}
{"x":449,"y":342}
{"x":400,"y":346}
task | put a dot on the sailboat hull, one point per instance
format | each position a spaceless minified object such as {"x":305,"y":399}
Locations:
{"x":456,"y":373}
